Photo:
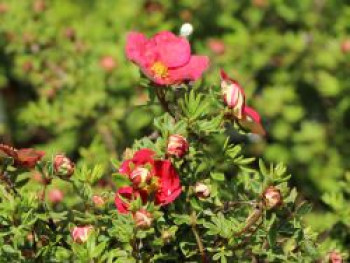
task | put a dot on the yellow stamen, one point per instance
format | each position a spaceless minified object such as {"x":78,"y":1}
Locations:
{"x":159,"y":70}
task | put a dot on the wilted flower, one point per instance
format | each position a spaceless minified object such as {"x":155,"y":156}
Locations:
{"x":98,"y":201}
{"x":81,"y":234}
{"x":143,"y":219}
{"x":63,"y":166}
{"x":335,"y":257}
{"x":25,"y":158}
{"x":177,"y":145}
{"x":272,"y":197}
{"x":202,"y":190}
{"x":55,"y":195}
{"x":165,"y":58}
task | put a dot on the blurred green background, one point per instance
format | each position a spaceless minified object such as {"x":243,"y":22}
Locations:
{"x":65,"y":85}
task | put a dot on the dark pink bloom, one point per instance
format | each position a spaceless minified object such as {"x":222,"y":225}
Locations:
{"x":125,"y":195}
{"x":335,"y":257}
{"x":169,"y":187}
{"x":177,"y":145}
{"x":165,"y":58}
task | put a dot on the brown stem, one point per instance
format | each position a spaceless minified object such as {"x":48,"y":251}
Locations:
{"x":251,"y":220}
{"x":161,"y":97}
{"x":198,"y":238}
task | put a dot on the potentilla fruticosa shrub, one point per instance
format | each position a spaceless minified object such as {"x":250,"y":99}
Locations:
{"x":186,"y":193}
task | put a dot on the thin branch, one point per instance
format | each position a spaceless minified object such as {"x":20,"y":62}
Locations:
{"x":198,"y":239}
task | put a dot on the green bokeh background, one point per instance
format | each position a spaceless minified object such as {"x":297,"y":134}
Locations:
{"x":291,"y":57}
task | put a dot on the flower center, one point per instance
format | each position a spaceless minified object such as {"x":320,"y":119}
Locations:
{"x":159,"y":70}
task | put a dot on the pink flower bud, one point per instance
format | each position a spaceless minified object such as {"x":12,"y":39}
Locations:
{"x":272,"y":197}
{"x":217,"y":46}
{"x":345,"y":46}
{"x":177,"y":145}
{"x":108,"y":63}
{"x":3,"y":8}
{"x":63,"y":166}
{"x":98,"y":201}
{"x":81,"y":234}
{"x":233,"y":95}
{"x":55,"y":196}
{"x":201,"y":190}
{"x":140,"y":175}
{"x":143,"y":219}
{"x":335,"y":257}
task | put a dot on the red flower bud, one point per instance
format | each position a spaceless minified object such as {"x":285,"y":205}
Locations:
{"x":345,"y":46}
{"x":81,"y":234}
{"x":55,"y":196}
{"x":177,"y":145}
{"x":143,"y":219}
{"x":63,"y":166}
{"x":140,"y":175}
{"x":272,"y":197}
{"x":201,"y":190}
{"x":108,"y":63}
{"x":25,"y":158}
{"x":98,"y":201}
{"x":233,"y":95}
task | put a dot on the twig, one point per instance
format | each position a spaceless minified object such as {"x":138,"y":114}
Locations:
{"x":161,"y":97}
{"x":198,"y":239}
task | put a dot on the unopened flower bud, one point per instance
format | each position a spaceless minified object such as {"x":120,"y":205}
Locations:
{"x":3,"y":8}
{"x":98,"y":201}
{"x":143,"y":219}
{"x":63,"y":166}
{"x":202,"y":190}
{"x":177,"y":145}
{"x":140,"y":175}
{"x":81,"y":234}
{"x":335,"y":257}
{"x":166,"y":236}
{"x":186,"y":30}
{"x":233,"y":95}
{"x":55,"y":196}
{"x":272,"y":197}
{"x":108,"y":63}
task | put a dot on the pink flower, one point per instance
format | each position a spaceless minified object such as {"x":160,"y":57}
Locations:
{"x":165,"y":58}
{"x":143,"y":219}
{"x":98,"y":201}
{"x":177,"y":145}
{"x":345,"y":46}
{"x":63,"y":166}
{"x":202,"y":190}
{"x":55,"y":196}
{"x":233,"y":95}
{"x":252,"y":121}
{"x":272,"y":197}
{"x":81,"y":234}
{"x":125,"y":195}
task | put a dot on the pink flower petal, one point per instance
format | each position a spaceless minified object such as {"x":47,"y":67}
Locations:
{"x":191,"y":71}
{"x":173,"y":51}
{"x":139,"y":49}
{"x":252,"y":114}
